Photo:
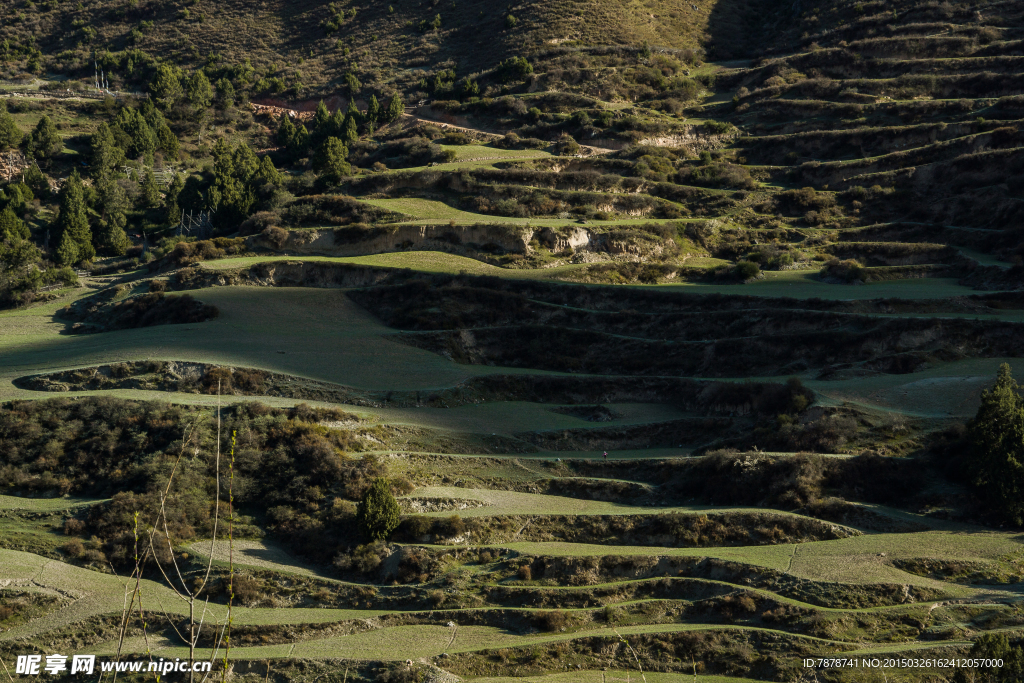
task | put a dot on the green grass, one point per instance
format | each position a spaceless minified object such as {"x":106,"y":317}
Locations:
{"x":498,"y":502}
{"x":612,"y":677}
{"x":803,"y":285}
{"x":944,"y":390}
{"x":476,"y":152}
{"x":422,"y":261}
{"x":322,"y":335}
{"x":43,"y":504}
{"x":433,"y":211}
{"x":413,"y":642}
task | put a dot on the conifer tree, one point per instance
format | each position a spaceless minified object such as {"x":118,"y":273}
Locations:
{"x":330,"y":160}
{"x":67,"y":251}
{"x":285,"y":131}
{"x":200,"y":93}
{"x":373,"y":110}
{"x":321,"y":116}
{"x":267,"y":172}
{"x":12,"y":227}
{"x":350,"y":133}
{"x":997,"y":437}
{"x":395,"y":108}
{"x":225,"y":94}
{"x":106,"y":155}
{"x":10,"y":135}
{"x":337,"y":123}
{"x":378,"y":512}
{"x":111,"y":237}
{"x":72,"y":221}
{"x":166,"y":86}
{"x":150,"y":191}
{"x":44,"y":141}
{"x":171,"y":208}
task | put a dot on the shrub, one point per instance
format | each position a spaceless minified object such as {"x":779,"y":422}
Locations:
{"x":513,"y":69}
{"x":747,"y":270}
{"x":73,"y":548}
{"x":555,"y":620}
{"x":848,"y":270}
{"x":378,"y":512}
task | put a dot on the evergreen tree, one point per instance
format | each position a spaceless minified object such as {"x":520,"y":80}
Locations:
{"x":44,"y":141}
{"x":134,"y":133}
{"x":166,"y":87}
{"x":12,"y":227}
{"x":106,"y":155}
{"x":10,"y":135}
{"x":378,"y":512}
{"x":36,"y":181}
{"x":350,"y":133}
{"x":171,"y":208}
{"x":72,"y":221}
{"x":150,"y":191}
{"x":373,"y":110}
{"x":330,"y":160}
{"x":67,"y":250}
{"x":225,"y":94}
{"x":285,"y":131}
{"x":168,"y":141}
{"x":112,"y":238}
{"x":300,"y":141}
{"x":267,"y":172}
{"x":200,"y":94}
{"x":321,"y":116}
{"x":337,"y":124}
{"x":997,"y":437}
{"x":395,"y":108}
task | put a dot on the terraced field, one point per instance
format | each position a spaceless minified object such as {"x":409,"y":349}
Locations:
{"x":666,"y":350}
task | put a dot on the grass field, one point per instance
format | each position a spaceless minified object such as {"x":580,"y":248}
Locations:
{"x":516,"y":503}
{"x":43,"y":504}
{"x":804,"y":285}
{"x":265,"y":328}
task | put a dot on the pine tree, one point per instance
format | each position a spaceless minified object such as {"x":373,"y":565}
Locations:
{"x":136,"y":131}
{"x":44,"y":141}
{"x":395,"y":108}
{"x":150,"y":191}
{"x":171,"y":208}
{"x":378,"y":512}
{"x":106,"y":155}
{"x":166,"y":87}
{"x":267,"y":172}
{"x":997,"y":437}
{"x":300,"y":141}
{"x":200,"y":94}
{"x":10,"y":135}
{"x":337,"y":123}
{"x":67,"y":251}
{"x":285,"y":131}
{"x":373,"y":110}
{"x":330,"y":160}
{"x":225,"y":94}
{"x":12,"y":227}
{"x":350,"y":133}
{"x":168,"y":141}
{"x":321,"y":116}
{"x":73,"y":220}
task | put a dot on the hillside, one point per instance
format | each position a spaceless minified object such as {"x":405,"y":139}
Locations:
{"x":560,"y":341}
